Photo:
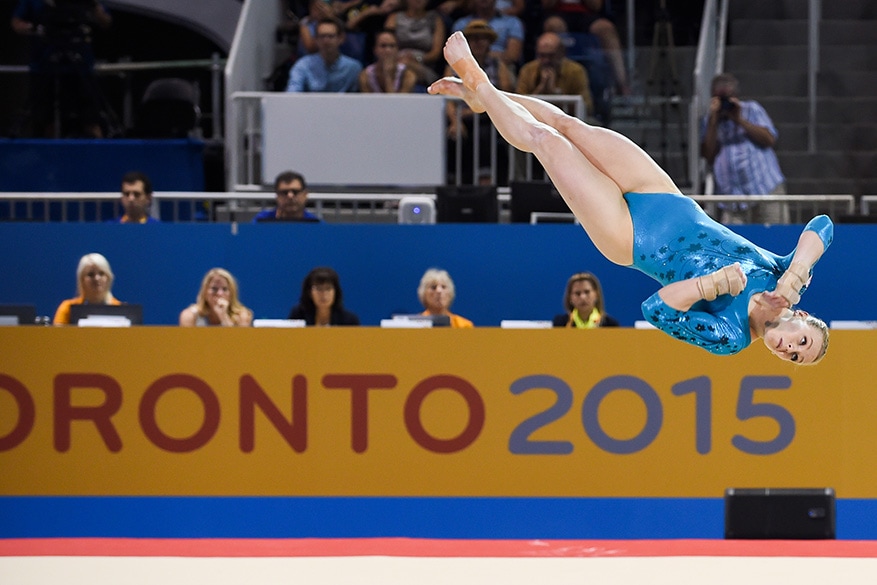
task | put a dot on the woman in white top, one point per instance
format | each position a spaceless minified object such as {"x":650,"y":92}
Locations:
{"x":217,"y":303}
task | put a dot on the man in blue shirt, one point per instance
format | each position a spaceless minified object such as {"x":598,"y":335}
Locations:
{"x":737,"y":140}
{"x":292,"y":195}
{"x":327,"y":70}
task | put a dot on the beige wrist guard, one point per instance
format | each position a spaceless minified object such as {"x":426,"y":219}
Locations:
{"x":792,"y":281}
{"x":724,"y":281}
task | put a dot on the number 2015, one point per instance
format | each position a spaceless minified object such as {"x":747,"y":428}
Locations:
{"x":748,"y":408}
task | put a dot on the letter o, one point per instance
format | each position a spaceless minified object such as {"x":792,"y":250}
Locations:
{"x":26,"y":413}
{"x":444,"y":382}
{"x":591,"y":419}
{"x":211,"y":413}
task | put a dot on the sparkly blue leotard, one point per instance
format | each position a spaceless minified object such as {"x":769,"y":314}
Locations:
{"x":674,"y":239}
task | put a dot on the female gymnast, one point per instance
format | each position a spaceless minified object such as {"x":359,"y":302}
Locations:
{"x":721,"y":292}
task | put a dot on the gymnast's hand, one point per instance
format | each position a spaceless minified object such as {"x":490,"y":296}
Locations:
{"x":772,"y":300}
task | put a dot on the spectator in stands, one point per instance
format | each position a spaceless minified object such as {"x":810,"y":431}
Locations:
{"x":366,"y":19}
{"x":508,"y":45}
{"x":555,"y":24}
{"x":421,"y":35}
{"x":327,"y":70}
{"x":737,"y":140}
{"x":461,"y":119}
{"x":552,"y":73}
{"x":291,"y":196}
{"x":136,"y":199}
{"x":217,"y":303}
{"x":584,"y":305}
{"x":321,"y":302}
{"x":388,"y":74}
{"x":94,"y":286}
{"x":450,"y":10}
{"x":512,"y":7}
{"x":590,"y":16}
{"x":318,"y":10}
{"x":62,"y":64}
{"x":436,"y":292}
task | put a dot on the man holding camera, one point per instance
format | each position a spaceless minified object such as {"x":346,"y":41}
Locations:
{"x":737,"y":140}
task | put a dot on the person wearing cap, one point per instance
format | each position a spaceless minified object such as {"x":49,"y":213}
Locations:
{"x":508,"y":44}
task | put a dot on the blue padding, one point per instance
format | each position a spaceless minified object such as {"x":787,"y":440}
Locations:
{"x":280,"y":517}
{"x":465,"y":518}
{"x":98,"y":165}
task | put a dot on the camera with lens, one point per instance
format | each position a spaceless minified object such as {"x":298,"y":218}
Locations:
{"x":726,"y":104}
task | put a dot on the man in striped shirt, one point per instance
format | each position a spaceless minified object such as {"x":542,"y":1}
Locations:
{"x":737,"y":140}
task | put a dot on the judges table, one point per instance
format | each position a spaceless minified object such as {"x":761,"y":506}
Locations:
{"x":484,"y":433}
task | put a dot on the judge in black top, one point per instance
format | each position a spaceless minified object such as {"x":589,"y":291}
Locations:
{"x":583,"y":301}
{"x":321,"y":301}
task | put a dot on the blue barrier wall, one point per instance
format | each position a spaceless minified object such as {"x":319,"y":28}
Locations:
{"x":35,"y":165}
{"x":501,"y":271}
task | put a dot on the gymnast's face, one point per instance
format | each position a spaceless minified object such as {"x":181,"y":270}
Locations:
{"x":793,"y":339}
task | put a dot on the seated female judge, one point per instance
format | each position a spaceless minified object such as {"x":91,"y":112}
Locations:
{"x":583,"y":301}
{"x":321,"y":301}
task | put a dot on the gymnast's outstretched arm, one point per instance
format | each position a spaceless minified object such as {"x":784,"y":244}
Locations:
{"x":809,"y":251}
{"x":680,"y":295}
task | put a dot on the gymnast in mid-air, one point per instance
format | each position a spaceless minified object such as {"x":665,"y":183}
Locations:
{"x":720,"y":291}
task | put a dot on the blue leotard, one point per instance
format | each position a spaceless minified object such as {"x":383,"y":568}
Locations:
{"x":674,"y":239}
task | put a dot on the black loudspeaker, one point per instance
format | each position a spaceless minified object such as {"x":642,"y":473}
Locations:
{"x":772,"y":513}
{"x":467,"y":204}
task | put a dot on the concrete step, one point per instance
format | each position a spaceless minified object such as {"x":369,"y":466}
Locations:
{"x":759,"y":84}
{"x":785,"y":9}
{"x":794,"y":32}
{"x":831,"y":186}
{"x":844,"y":137}
{"x":853,"y":110}
{"x":653,"y":137}
{"x":795,"y":57}
{"x":829,"y":165}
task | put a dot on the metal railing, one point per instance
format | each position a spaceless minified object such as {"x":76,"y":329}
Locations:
{"x":244,"y":142}
{"x":334,"y":207}
{"x":709,"y":61}
{"x":866,"y":201}
{"x":801,"y":207}
{"x":124,"y":69}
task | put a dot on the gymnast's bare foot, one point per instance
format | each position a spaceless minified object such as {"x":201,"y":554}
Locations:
{"x":459,"y":57}
{"x":452,"y":86}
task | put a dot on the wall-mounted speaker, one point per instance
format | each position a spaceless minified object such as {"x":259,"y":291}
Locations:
{"x":775,"y":513}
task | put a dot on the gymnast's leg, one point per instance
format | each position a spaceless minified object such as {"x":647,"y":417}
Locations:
{"x":616,"y":156}
{"x":591,"y":167}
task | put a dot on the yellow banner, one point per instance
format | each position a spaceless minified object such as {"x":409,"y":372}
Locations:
{"x":443,"y":412}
